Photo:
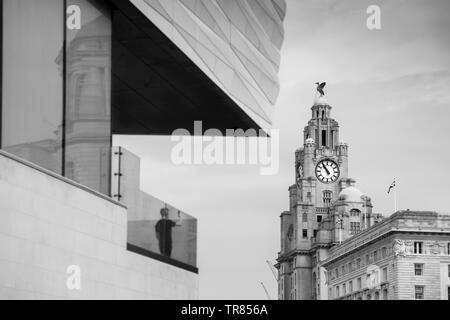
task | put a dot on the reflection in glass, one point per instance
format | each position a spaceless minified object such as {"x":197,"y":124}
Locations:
{"x":162,"y":229}
{"x":88,"y":109}
{"x":32,"y":95}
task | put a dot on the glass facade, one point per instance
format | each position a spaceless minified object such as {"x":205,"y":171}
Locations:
{"x":88,"y":95}
{"x":56,"y":88}
{"x":32,"y":83}
{"x":163,"y":232}
{"x":133,"y":67}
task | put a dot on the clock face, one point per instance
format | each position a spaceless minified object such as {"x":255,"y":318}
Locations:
{"x":327,"y":171}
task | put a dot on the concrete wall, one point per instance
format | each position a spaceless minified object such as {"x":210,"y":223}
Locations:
{"x":48,"y":223}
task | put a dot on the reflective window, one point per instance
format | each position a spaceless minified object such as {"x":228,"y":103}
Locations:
{"x":35,"y":66}
{"x":32,"y":93}
{"x":88,"y":92}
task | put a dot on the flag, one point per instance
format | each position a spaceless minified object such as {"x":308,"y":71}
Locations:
{"x":391,"y":186}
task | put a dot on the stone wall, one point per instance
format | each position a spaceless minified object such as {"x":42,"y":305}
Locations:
{"x":48,"y":223}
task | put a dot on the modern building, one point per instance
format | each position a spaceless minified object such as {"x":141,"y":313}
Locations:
{"x":334,"y":246}
{"x":77,"y":72}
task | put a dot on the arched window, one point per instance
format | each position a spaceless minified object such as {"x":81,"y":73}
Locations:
{"x":327,"y":197}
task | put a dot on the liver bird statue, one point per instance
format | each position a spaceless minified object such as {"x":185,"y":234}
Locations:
{"x":320,"y":87}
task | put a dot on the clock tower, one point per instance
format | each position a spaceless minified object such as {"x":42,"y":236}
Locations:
{"x":325,"y":208}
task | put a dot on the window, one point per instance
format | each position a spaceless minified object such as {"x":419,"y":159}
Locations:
{"x":355,"y":213}
{"x":377,"y":295}
{"x":358,"y":263}
{"x":448,"y":270}
{"x":355,"y":227}
{"x":448,"y":293}
{"x":375,"y":256}
{"x":385,"y":294}
{"x":343,"y":269}
{"x":368,"y":297}
{"x":305,"y":217}
{"x":324,"y":138}
{"x":35,"y":68}
{"x":418,"y":269}
{"x":327,"y":197}
{"x":305,"y":233}
{"x":359,"y":284}
{"x":319,"y":219}
{"x":383,"y":252}
{"x":367,"y":259}
{"x":419,"y":292}
{"x":385,"y":275}
{"x":344,"y":289}
{"x":88,"y":96}
{"x":350,"y":287}
{"x":337,"y":291}
{"x":418,"y":247}
{"x":32,"y":95}
{"x":336,"y":272}
{"x":448,"y":248}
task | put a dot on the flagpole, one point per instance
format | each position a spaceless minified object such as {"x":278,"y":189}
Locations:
{"x":365,"y":214}
{"x":395,"y":198}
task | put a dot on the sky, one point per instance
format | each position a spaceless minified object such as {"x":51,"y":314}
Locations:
{"x":389,"y":90}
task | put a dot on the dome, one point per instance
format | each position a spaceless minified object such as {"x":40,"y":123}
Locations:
{"x":320,"y":101}
{"x":351,"y":194}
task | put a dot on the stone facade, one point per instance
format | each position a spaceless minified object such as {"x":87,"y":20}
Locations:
{"x":329,"y":216}
{"x":389,"y":260}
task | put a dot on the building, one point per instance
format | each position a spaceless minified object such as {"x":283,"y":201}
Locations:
{"x":406,"y":256}
{"x":334,"y":246}
{"x":77,"y":72}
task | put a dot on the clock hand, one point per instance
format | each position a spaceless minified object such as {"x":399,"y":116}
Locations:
{"x":326,"y":169}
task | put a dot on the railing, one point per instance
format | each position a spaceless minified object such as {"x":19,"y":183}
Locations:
{"x":322,"y":210}
{"x":155,"y":228}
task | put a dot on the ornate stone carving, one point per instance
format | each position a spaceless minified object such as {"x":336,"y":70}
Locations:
{"x":435,"y":247}
{"x":399,"y":248}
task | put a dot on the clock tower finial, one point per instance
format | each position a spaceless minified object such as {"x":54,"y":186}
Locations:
{"x":320,"y":87}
